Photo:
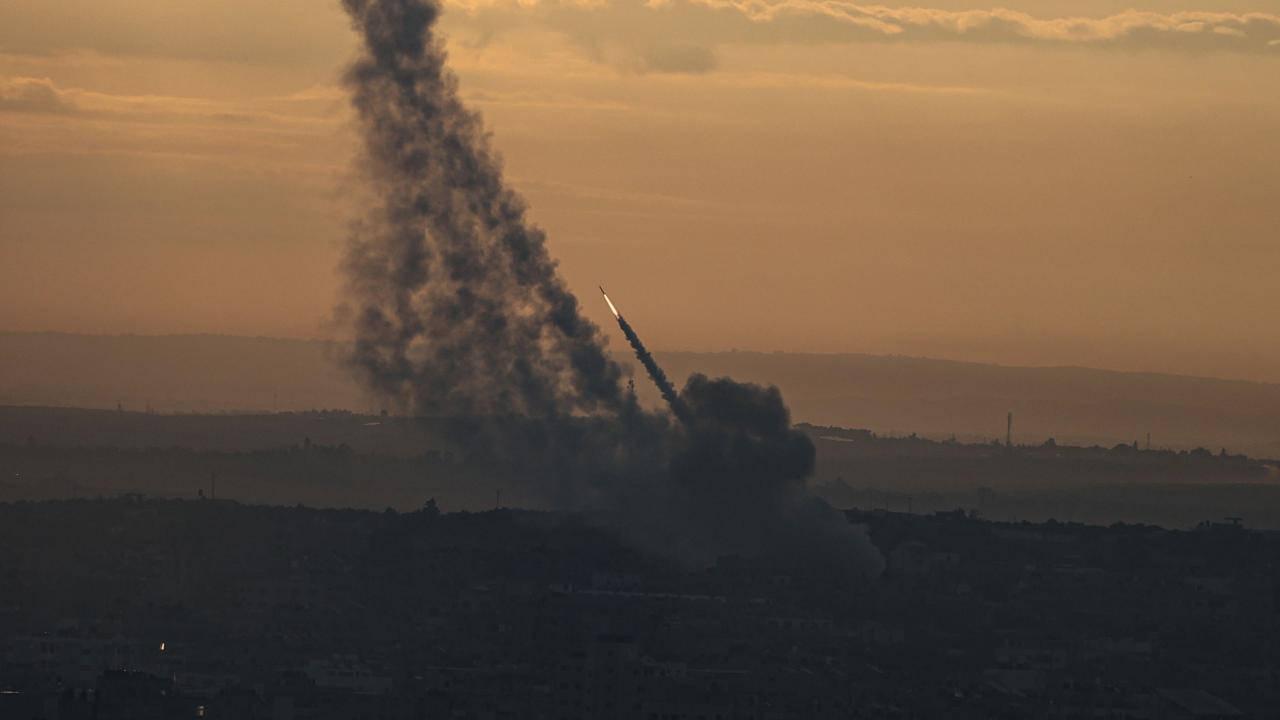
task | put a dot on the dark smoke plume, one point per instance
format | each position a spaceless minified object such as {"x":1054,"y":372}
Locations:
{"x":459,"y":306}
{"x":655,"y":371}
{"x":458,"y":312}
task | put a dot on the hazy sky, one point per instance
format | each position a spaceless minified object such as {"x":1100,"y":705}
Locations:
{"x":1087,"y":182}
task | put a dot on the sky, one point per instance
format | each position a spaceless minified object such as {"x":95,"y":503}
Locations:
{"x":1059,"y":182}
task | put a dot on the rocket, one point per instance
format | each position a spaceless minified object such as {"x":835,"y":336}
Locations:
{"x":616,"y":315}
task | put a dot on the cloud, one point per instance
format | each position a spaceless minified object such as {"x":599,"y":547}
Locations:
{"x":317,"y":93}
{"x":33,"y":95}
{"x":647,"y":36}
{"x":683,"y":35}
{"x":280,"y":32}
{"x":678,"y":58}
{"x":43,"y":95}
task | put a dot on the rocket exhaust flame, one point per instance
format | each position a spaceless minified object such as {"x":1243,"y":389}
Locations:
{"x":612,"y":309}
{"x":651,"y":366}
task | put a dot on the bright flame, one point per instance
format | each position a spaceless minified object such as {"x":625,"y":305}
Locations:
{"x":612,"y":309}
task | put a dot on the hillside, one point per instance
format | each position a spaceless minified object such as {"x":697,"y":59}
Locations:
{"x":898,"y":395}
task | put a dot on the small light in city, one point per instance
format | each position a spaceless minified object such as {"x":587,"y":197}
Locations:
{"x":161,"y":647}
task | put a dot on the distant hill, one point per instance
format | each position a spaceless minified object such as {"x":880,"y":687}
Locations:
{"x":1079,"y":406}
{"x":899,"y":395}
{"x":174,"y":373}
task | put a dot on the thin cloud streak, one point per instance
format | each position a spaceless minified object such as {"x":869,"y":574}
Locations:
{"x":43,"y":95}
{"x":33,"y":95}
{"x":682,"y":36}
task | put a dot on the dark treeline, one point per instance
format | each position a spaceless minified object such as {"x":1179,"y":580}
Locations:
{"x":134,"y":608}
{"x":371,"y":462}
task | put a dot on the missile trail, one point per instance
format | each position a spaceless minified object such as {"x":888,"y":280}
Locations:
{"x":651,"y":366}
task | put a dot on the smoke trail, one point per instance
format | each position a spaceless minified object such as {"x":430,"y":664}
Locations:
{"x":459,"y":311}
{"x":459,"y":308}
{"x":655,"y":372}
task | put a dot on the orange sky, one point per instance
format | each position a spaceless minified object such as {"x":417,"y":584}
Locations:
{"x":1015,"y":186}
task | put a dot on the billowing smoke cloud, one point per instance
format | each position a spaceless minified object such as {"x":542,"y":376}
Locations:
{"x":460,"y":307}
{"x":734,"y":484}
{"x":458,"y":312}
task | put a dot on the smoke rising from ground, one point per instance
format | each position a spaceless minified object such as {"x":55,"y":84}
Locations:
{"x":740,"y":469}
{"x":460,"y":308}
{"x":458,"y":311}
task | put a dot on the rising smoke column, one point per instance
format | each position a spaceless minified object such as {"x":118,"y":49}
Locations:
{"x":457,"y":306}
{"x":458,"y":311}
